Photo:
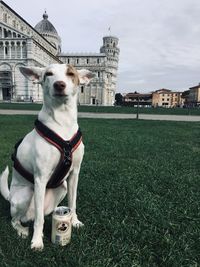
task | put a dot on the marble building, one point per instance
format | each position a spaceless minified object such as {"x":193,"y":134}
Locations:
{"x":24,"y":45}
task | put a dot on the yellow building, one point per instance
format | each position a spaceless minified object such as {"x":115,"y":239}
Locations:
{"x":167,"y":98}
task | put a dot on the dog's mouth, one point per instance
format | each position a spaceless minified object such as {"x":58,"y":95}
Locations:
{"x":60,"y":95}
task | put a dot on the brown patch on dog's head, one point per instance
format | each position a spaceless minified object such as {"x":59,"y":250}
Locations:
{"x":73,"y":74}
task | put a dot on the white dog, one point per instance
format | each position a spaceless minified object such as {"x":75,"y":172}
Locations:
{"x":31,"y":201}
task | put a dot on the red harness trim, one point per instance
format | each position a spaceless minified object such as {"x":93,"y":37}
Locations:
{"x":49,"y":140}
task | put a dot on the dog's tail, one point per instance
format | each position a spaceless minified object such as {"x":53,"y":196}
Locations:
{"x":4,"y":184}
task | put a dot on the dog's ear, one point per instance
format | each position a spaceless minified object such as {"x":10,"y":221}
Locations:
{"x":34,"y":74}
{"x":85,"y":76}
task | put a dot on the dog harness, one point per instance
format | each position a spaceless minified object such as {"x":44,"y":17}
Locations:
{"x":66,"y":149}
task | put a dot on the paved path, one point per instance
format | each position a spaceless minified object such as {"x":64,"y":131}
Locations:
{"x":111,"y":115}
{"x":141,"y":116}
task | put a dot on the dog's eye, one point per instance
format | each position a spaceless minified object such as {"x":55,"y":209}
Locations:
{"x":48,"y":73}
{"x":70,"y":74}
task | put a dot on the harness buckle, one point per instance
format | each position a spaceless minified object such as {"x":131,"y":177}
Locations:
{"x":67,"y":153}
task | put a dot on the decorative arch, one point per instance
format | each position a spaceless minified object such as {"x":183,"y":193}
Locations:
{"x":5,"y":66}
{"x":6,"y":81}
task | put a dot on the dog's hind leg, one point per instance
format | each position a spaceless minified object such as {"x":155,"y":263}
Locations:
{"x":19,"y":202}
{"x":21,"y":230}
{"x":19,"y":198}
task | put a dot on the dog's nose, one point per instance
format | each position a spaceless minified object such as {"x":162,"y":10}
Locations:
{"x":59,"y":86}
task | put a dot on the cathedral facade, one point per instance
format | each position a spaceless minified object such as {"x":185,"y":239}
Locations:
{"x":24,"y":45}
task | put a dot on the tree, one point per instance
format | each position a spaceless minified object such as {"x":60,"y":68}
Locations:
{"x":185,"y":94}
{"x":118,"y":99}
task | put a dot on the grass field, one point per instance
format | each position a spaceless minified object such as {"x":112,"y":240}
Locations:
{"x":117,"y":109}
{"x":138,"y":196}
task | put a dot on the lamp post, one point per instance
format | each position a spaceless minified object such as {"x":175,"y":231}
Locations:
{"x":137,"y":114}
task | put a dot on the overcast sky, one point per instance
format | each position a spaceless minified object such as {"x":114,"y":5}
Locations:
{"x":159,"y":40}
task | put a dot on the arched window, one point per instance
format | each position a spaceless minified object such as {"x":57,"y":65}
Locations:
{"x":1,"y":50}
{"x":12,"y":50}
{"x":18,"y":50}
{"x":24,"y":52}
{"x":5,"y":33}
{"x":6,"y":49}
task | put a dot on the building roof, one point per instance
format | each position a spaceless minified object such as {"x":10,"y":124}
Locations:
{"x":136,"y":94}
{"x":111,"y":36}
{"x":45,"y":26}
{"x":195,"y":87}
{"x":163,"y":90}
{"x":82,"y":54}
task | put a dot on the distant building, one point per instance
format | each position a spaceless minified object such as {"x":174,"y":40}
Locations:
{"x":159,"y":98}
{"x":194,"y":96}
{"x":24,"y":45}
{"x":167,"y":98}
{"x":185,"y":96}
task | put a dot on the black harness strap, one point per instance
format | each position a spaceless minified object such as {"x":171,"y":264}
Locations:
{"x":17,"y":165}
{"x":66,"y":149}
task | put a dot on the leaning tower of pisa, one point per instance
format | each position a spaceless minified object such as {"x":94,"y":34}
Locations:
{"x":111,"y":50}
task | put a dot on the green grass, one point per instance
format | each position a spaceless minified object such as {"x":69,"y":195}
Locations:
{"x":20,"y":106}
{"x":138,"y":196}
{"x":117,"y":109}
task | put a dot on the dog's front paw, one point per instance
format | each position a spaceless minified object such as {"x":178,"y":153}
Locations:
{"x":75,"y":222}
{"x":37,"y":245}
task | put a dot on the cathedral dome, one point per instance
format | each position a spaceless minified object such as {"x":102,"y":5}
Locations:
{"x":45,"y":26}
{"x":47,"y":30}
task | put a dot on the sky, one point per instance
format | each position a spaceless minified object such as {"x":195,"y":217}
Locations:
{"x":159,"y":41}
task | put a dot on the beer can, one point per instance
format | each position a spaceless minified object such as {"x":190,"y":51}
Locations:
{"x":61,"y":226}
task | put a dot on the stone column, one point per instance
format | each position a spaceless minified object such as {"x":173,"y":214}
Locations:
{"x":9,"y":46}
{"x":85,"y":94}
{"x":21,"y":52}
{"x":15,"y":50}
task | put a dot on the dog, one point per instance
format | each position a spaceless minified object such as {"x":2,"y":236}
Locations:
{"x":32,"y":201}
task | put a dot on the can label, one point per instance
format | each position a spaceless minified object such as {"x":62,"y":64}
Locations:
{"x":61,"y":226}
